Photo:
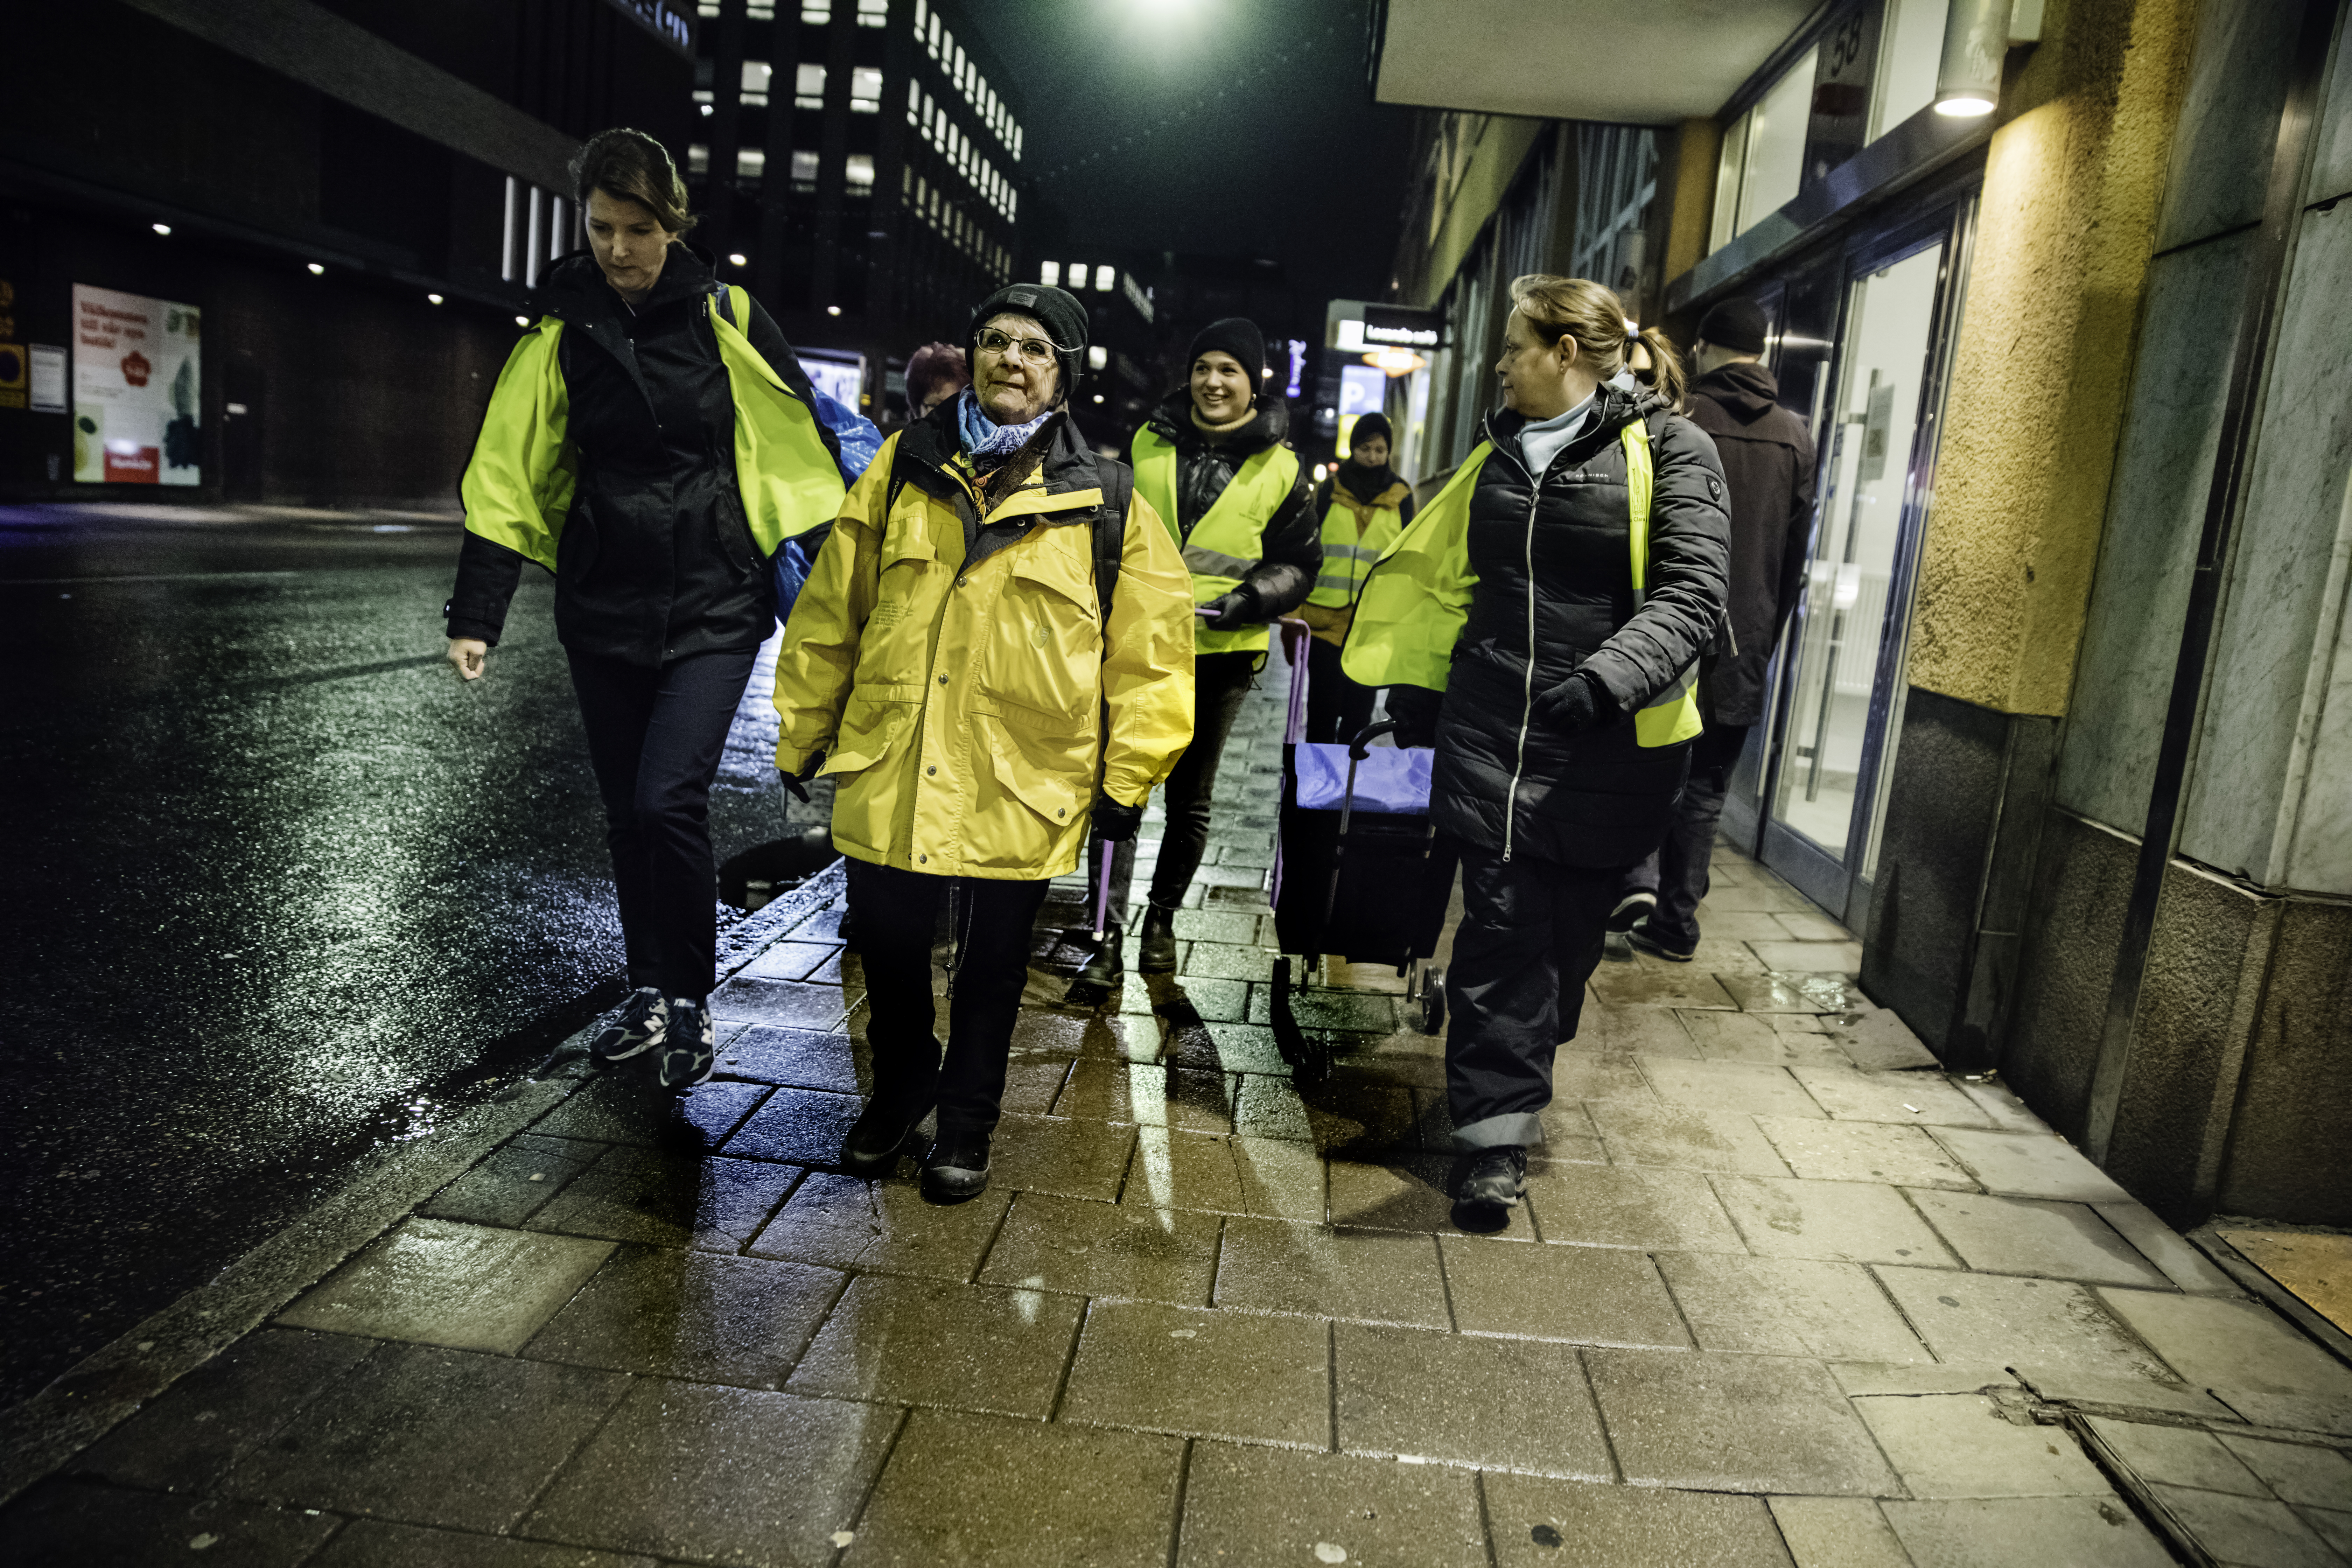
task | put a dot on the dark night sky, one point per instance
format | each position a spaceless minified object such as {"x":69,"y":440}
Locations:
{"x":1178,"y":125}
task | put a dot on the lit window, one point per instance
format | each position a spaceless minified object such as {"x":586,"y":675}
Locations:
{"x":1049,"y":273}
{"x":750,"y":162}
{"x":935,"y":34}
{"x":1016,"y":143}
{"x":707,"y":111}
{"x":859,"y":173}
{"x":864,"y":90}
{"x":808,"y":87}
{"x":697,"y":159}
{"x":1105,"y":276}
{"x":817,"y":15}
{"x":873,"y":13}
{"x":702,"y":95}
{"x":804,"y":171}
{"x":922,"y":18}
{"x":757,"y":75}
{"x":1098,"y":356}
{"x":914,"y":101}
{"x":706,"y":9}
{"x":759,"y":12}
{"x":1078,"y":275}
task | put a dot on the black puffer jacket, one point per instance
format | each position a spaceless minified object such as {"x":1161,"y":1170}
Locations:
{"x":655,"y":560}
{"x":1555,"y":596}
{"x":1292,"y":542}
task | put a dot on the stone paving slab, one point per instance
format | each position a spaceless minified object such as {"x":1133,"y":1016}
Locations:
{"x":1771,"y":1251}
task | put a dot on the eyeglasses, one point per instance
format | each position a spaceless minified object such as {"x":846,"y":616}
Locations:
{"x":1036,"y":350}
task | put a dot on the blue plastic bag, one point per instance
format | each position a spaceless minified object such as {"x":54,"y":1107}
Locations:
{"x":1387,"y":780}
{"x":859,"y":442}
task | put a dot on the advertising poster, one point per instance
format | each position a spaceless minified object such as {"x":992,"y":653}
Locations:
{"x":137,"y":372}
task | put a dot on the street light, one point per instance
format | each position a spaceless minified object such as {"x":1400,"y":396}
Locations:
{"x":833,"y":310}
{"x":317,"y":271}
{"x":1976,"y":41}
{"x":740,"y":259}
{"x":163,"y":228}
{"x":433,"y":298}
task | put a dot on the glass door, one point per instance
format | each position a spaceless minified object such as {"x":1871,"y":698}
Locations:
{"x":1843,"y":664}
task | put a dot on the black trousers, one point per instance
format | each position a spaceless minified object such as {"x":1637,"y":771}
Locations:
{"x":1678,"y":869}
{"x":654,"y":738}
{"x":1219,"y":681}
{"x":1337,"y":708}
{"x":896,"y":913}
{"x":1530,"y":936}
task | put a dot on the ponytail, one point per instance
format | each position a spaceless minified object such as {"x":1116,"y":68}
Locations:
{"x":1665,"y":372}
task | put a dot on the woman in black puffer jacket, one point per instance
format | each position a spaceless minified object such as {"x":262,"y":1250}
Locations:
{"x":1563,"y":727}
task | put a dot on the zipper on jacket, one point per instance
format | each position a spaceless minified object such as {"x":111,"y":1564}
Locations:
{"x":1527,"y":682}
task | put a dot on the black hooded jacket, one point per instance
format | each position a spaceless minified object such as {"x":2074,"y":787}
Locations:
{"x":655,"y":560}
{"x":1554,"y":596}
{"x":1292,"y":540}
{"x":1767,"y":463}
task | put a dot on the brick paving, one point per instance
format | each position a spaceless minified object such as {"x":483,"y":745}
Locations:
{"x":1782,"y":1291}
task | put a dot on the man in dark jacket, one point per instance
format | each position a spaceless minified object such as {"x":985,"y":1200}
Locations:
{"x":1213,"y":462}
{"x":1768,"y":464}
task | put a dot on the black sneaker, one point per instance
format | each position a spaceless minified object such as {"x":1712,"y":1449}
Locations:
{"x":1488,"y":1185}
{"x":643,"y":1024}
{"x":1158,"y":955}
{"x":1642,"y":937}
{"x":689,"y":1052}
{"x":1637,"y":905}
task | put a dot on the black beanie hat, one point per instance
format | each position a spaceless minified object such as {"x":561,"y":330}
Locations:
{"x":1235,"y":336}
{"x":1059,"y":313}
{"x":1371,"y":427}
{"x":1736,"y":325}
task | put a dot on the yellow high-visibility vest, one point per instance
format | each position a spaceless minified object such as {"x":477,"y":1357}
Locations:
{"x":1231,"y":539}
{"x":1349,"y":547}
{"x":1411,"y":610}
{"x":518,"y":486}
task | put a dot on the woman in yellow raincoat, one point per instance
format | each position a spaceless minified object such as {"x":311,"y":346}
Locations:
{"x":991,"y":652}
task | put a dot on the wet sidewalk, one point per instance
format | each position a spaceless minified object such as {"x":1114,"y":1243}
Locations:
{"x":1782,"y":1291}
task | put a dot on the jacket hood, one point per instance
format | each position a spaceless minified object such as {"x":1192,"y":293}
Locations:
{"x":1269,"y":424}
{"x":1745,"y":391}
{"x":575,"y":287}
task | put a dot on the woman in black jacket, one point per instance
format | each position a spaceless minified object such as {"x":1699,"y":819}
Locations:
{"x":1563,"y":644}
{"x":651,"y":441}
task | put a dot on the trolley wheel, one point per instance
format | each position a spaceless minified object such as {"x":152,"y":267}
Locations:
{"x":1432,"y":1002}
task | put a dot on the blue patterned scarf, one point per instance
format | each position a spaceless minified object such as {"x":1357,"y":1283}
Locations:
{"x":983,"y":437}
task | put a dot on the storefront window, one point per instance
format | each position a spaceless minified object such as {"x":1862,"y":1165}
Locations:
{"x":1763,"y":158}
{"x":1851,"y":577}
{"x":1911,"y":45}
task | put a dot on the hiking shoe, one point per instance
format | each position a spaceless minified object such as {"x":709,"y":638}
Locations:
{"x":1158,"y":955}
{"x":1637,"y":905}
{"x":643,"y":1024}
{"x":1488,"y":1185}
{"x":689,"y":1052}
{"x":1649,"y":942}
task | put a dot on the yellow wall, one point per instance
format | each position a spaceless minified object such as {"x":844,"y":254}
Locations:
{"x":2072,"y":184}
{"x":1689,"y":192}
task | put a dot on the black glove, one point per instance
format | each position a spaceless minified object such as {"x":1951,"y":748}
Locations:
{"x":1114,"y":823}
{"x":1577,"y":704}
{"x":1414,"y":709}
{"x":793,"y":782}
{"x":1231,"y":612}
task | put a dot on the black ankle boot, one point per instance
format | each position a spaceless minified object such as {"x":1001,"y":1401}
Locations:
{"x":956,"y":1170}
{"x":1095,"y":982}
{"x":1158,"y":954}
{"x":883,"y":1131}
{"x":1488,"y":1184}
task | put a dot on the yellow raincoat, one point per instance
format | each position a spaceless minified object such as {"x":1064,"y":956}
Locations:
{"x":963,"y":712}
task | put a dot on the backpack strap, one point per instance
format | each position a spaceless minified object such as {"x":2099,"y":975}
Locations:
{"x":1110,"y":531}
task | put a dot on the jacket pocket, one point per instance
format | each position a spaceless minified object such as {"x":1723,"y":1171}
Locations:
{"x":1045,"y":643}
{"x":735,"y":541}
{"x":576,"y":550}
{"x":870,"y":731}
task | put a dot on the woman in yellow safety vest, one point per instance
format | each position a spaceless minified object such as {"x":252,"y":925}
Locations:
{"x":994,"y":653}
{"x":652,"y":442}
{"x":1363,"y":506}
{"x":1212,"y":462}
{"x":1540,"y":624}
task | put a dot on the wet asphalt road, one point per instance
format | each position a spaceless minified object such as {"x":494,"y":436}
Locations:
{"x":277,"y":889}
